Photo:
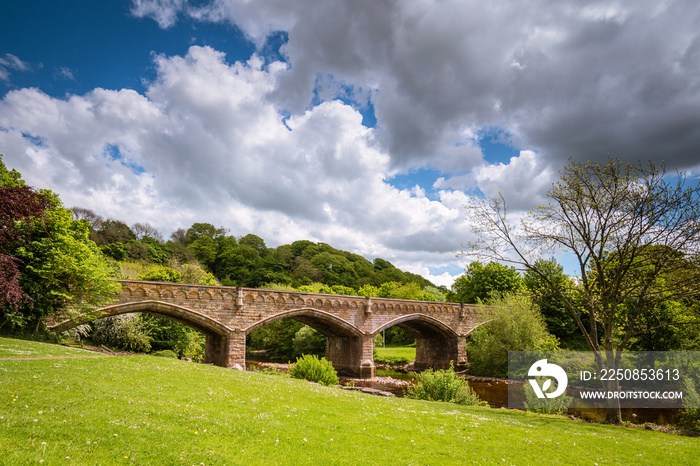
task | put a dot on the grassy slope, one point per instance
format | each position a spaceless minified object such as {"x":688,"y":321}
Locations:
{"x":147,"y":410}
{"x":10,"y":348}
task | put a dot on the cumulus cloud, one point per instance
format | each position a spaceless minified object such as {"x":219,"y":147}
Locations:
{"x":207,"y":143}
{"x":564,"y":79}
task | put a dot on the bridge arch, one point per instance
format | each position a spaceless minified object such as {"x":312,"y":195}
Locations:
{"x":322,"y":321}
{"x":418,"y":324}
{"x":437,"y":344}
{"x":194,"y":319}
{"x":347,"y":347}
{"x":217,"y":335}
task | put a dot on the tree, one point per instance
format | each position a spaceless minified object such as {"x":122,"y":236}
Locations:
{"x":113,"y":231}
{"x":143,"y":230}
{"x":81,"y":213}
{"x":59,"y":269}
{"x":635,"y":234}
{"x":480,"y":282}
{"x":553,"y":309}
{"x":17,"y":203}
{"x":515,"y":325}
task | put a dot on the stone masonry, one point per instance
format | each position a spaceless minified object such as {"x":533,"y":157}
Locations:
{"x":227,"y":314}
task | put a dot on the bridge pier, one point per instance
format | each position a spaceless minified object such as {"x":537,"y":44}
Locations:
{"x":436,"y":352}
{"x":225,"y":350}
{"x":351,"y":355}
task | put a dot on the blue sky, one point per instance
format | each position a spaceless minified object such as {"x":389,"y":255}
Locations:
{"x":366,"y":125}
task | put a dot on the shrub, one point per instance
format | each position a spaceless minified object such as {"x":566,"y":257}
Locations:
{"x":310,"y":367}
{"x":443,"y":385}
{"x":165,"y":354}
{"x":690,"y":417}
{"x":558,"y":405}
{"x":125,"y":331}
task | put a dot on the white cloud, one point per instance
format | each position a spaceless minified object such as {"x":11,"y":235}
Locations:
{"x":206,"y":143}
{"x":163,"y":12}
{"x":245,"y":145}
{"x":10,"y":63}
{"x":523,"y":182}
{"x":588,"y":80}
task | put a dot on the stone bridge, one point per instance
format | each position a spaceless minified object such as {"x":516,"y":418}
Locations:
{"x":227,"y":314}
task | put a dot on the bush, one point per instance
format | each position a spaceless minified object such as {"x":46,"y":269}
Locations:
{"x":165,"y":354}
{"x":558,"y":405}
{"x":443,"y":385}
{"x":126,"y":331}
{"x":690,"y":417}
{"x":310,"y":367}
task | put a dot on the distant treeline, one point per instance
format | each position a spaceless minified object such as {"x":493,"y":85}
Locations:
{"x":246,"y":260}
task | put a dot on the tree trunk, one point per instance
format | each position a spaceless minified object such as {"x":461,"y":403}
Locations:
{"x":613,"y":412}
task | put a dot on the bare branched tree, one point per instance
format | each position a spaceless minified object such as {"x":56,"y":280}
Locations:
{"x":81,"y":213}
{"x":142,"y":230}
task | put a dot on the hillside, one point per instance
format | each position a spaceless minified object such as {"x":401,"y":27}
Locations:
{"x":244,"y":260}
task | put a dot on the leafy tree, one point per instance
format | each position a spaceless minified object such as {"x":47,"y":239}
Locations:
{"x":335,"y":269}
{"x":304,"y":272}
{"x":62,"y":269}
{"x":481,"y":282}
{"x":162,"y":274}
{"x":308,"y":341}
{"x":57,"y":267}
{"x":17,"y":203}
{"x":125,"y":331}
{"x":276,"y":338}
{"x":194,"y":273}
{"x":515,"y":325}
{"x":113,"y":231}
{"x":634,"y":232}
{"x":553,"y":308}
{"x":198,"y":230}
{"x":116,"y":251}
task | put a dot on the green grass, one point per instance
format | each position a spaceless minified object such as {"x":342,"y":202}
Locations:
{"x":10,"y":348}
{"x":148,"y":410}
{"x":391,"y":354}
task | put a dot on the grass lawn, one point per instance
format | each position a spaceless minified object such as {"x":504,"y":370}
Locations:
{"x":395,"y":352}
{"x":10,"y":348}
{"x":148,"y":410}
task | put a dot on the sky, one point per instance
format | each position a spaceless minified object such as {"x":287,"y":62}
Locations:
{"x":364,"y":124}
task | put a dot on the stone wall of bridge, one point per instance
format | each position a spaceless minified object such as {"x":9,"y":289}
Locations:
{"x":227,"y":314}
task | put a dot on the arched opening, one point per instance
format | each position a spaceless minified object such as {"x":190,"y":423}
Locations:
{"x":156,"y":315}
{"x":344,"y":343}
{"x":436,"y":344}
